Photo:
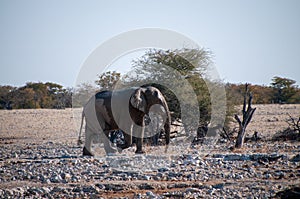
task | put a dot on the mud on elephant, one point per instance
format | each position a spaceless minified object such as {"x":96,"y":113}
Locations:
{"x":126,"y":110}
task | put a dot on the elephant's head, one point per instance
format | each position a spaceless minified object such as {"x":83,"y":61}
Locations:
{"x":150,"y":99}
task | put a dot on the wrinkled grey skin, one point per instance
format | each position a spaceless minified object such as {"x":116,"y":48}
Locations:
{"x":126,"y":110}
{"x":154,"y":129}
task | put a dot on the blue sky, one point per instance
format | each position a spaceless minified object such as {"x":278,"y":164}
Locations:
{"x":252,"y":41}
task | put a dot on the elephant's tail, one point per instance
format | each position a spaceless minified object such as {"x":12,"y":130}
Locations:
{"x":79,"y":141}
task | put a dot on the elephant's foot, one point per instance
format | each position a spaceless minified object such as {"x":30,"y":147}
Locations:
{"x":110,"y":150}
{"x":140,"y":152}
{"x":86,"y":152}
{"x":166,"y":149}
{"x":119,"y":150}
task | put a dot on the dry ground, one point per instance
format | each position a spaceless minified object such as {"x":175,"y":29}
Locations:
{"x":40,"y":125}
{"x":269,"y":119}
{"x":61,"y":126}
{"x":44,"y":125}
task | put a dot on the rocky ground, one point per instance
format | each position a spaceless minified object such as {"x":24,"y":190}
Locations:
{"x":39,"y":158}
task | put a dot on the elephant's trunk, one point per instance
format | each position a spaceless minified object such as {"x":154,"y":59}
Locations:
{"x":167,"y":129}
{"x":167,"y":125}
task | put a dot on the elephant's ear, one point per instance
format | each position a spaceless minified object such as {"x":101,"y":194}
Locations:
{"x":138,"y":100}
{"x":158,"y":95}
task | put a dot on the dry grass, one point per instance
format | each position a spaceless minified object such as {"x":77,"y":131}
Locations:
{"x":39,"y":125}
{"x":44,"y":125}
{"x":270,"y":119}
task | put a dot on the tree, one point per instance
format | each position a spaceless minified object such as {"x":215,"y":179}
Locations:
{"x":248,"y":112}
{"x":68,"y":93}
{"x":42,"y":97}
{"x":295,"y":99}
{"x":63,"y":98}
{"x":192,"y":64}
{"x":261,"y":94}
{"x":284,"y":89}
{"x":234,"y":93}
{"x":35,"y":95}
{"x":82,"y":94}
{"x":108,"y":80}
{"x":24,"y":98}
{"x":47,"y":95}
{"x":6,"y":96}
{"x":186,"y":61}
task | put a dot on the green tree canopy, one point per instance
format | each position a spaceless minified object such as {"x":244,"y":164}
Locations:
{"x":36,"y":95}
{"x":6,"y":96}
{"x":192,"y":64}
{"x":107,"y":80}
{"x":284,"y":89}
{"x":82,"y":94}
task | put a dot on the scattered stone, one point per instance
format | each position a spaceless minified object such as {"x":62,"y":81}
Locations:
{"x":151,"y":195}
{"x":192,"y":190}
{"x":218,"y":186}
{"x":145,"y":187}
{"x":59,"y":171}
{"x":114,"y":187}
{"x":293,"y":192}
{"x":296,"y":158}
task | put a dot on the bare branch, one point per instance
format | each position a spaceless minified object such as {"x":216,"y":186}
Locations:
{"x":244,"y":104}
{"x":250,"y":101}
{"x":225,"y":132}
{"x":292,"y":122}
{"x":236,"y":117}
{"x":247,"y":116}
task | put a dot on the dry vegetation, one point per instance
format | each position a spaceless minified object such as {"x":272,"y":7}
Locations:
{"x":269,"y":119}
{"x":40,"y":125}
{"x":44,"y":125}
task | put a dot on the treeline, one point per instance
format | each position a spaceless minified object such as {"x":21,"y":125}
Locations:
{"x":158,"y":66}
{"x":35,"y":95}
{"x":52,"y":95}
{"x":280,"y":91}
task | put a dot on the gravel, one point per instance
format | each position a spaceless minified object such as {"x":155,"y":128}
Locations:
{"x":39,"y":159}
{"x":53,"y":170}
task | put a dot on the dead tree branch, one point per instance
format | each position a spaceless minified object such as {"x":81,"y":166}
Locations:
{"x":226,"y":135}
{"x":248,"y":112}
{"x":295,"y":124}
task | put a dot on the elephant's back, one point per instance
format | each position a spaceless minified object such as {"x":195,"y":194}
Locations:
{"x":103,"y":95}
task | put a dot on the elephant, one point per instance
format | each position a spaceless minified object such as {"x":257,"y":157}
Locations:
{"x":153,"y":131}
{"x":126,"y":110}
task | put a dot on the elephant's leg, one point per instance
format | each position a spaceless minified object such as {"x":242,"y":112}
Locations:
{"x":88,"y":140}
{"x":155,"y":139}
{"x":139,"y":145}
{"x":139,"y":141}
{"x":107,"y":144}
{"x":104,"y":131}
{"x":128,"y":139}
